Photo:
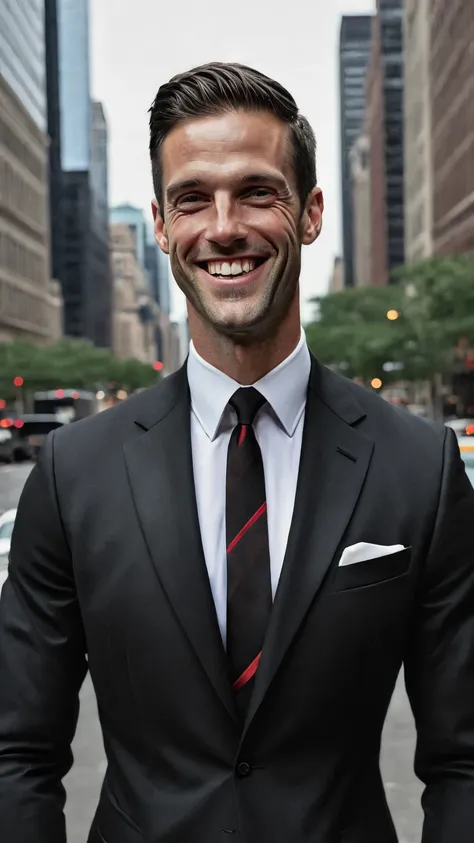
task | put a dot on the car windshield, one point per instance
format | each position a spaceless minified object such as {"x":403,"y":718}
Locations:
{"x":6,"y":530}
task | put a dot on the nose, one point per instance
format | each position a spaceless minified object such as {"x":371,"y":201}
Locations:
{"x":225,"y":223}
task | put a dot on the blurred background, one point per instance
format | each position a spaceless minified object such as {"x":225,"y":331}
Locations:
{"x":89,"y":312}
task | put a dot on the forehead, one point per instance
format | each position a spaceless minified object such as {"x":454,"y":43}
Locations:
{"x":225,"y":145}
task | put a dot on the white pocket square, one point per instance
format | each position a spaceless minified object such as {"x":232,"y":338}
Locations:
{"x":363,"y":551}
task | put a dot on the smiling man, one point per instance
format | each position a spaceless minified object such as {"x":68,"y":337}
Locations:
{"x":245,"y":555}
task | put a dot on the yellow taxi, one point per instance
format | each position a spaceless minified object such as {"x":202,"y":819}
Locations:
{"x":466,"y":446}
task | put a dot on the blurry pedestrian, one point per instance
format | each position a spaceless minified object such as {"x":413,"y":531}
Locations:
{"x":244,"y":555}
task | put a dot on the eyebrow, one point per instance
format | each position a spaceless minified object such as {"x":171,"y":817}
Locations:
{"x":252,"y":178}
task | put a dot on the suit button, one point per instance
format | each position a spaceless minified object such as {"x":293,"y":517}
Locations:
{"x":243,"y":769}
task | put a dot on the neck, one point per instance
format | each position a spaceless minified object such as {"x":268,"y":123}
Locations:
{"x":247,"y":363}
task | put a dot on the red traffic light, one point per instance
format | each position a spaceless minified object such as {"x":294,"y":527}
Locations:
{"x":157,"y":365}
{"x":18,"y":382}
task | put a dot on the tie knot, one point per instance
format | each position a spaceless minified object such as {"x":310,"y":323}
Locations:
{"x":246,"y":402}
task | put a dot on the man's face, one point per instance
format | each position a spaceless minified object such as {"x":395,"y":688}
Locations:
{"x":232,"y":222}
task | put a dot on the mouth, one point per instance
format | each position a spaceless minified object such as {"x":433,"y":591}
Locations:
{"x":231,"y":271}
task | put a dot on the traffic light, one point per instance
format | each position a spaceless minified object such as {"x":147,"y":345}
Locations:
{"x":18,"y":382}
{"x":157,"y":365}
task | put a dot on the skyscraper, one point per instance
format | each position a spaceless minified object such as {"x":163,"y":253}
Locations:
{"x":31,"y":306}
{"x":135,"y":219}
{"x":385,"y":129}
{"x":452,"y":114}
{"x":418,"y":134}
{"x":54,"y":132}
{"x":354,"y":55}
{"x":22,"y":55}
{"x":86,"y":275}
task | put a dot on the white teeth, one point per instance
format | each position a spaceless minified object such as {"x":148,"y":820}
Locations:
{"x":236,"y":267}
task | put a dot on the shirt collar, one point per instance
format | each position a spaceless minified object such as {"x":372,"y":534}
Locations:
{"x":284,"y":388}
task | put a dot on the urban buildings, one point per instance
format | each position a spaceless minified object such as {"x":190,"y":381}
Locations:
{"x":385,"y":128}
{"x":54,"y":132}
{"x":354,"y":55}
{"x":134,"y":218}
{"x":361,"y":204}
{"x":336,"y":282}
{"x":417,"y":140}
{"x":86,"y":273}
{"x":133,"y":336}
{"x":155,"y":268}
{"x":30,"y":303}
{"x":452,"y":118}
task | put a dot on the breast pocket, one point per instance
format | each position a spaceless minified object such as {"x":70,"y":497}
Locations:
{"x":372,"y":571}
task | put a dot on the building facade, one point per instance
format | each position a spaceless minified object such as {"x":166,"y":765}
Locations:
{"x":135,"y":219}
{"x":133,"y":336}
{"x":54,"y":132}
{"x":75,"y":84}
{"x":22,"y":55}
{"x":86,"y":272}
{"x":417,"y":140}
{"x":452,"y":116}
{"x":385,"y":127}
{"x":336,"y":281}
{"x":361,"y":203}
{"x":354,"y":56}
{"x":30,"y":303}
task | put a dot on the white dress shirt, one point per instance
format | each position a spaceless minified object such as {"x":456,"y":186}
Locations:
{"x":278,"y":429}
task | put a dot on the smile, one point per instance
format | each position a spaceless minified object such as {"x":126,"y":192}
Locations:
{"x":230,"y":269}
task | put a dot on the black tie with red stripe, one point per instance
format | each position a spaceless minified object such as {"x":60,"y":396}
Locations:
{"x":249,"y":592}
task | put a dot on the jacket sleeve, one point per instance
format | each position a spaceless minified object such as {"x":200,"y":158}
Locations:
{"x":439,"y":665}
{"x":42,"y":666}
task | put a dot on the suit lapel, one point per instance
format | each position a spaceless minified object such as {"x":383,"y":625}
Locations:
{"x":334,"y":461}
{"x":160,"y":470}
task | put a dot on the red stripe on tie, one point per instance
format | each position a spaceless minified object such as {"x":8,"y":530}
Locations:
{"x":243,"y":434}
{"x":247,"y":674}
{"x":247,"y":526}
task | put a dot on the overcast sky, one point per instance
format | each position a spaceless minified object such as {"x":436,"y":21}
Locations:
{"x":139,"y":44}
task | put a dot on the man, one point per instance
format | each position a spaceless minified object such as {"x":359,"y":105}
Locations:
{"x":245,"y":555}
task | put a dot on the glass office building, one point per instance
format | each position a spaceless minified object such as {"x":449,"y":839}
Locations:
{"x":354,"y":54}
{"x":74,"y":84}
{"x":22,"y":54}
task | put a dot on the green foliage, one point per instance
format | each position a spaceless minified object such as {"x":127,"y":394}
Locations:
{"x":435,"y":302}
{"x":70,"y":363}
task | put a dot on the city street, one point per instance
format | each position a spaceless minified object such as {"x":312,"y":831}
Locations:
{"x":83,"y":783}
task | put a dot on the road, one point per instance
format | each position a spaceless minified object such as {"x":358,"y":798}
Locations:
{"x":84,"y":781}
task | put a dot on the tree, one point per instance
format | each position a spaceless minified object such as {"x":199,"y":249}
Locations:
{"x":70,"y":363}
{"x":434,"y":300}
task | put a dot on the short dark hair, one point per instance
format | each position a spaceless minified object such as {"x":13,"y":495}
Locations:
{"x":216,"y":88}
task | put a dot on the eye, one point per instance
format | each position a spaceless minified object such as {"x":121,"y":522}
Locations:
{"x":260,"y":193}
{"x":190,"y":199}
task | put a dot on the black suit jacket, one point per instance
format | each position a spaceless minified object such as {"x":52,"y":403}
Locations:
{"x":107,"y":573}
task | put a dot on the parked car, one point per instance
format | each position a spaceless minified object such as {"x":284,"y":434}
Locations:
{"x":6,"y":445}
{"x":29,"y":438}
{"x":7,"y":520}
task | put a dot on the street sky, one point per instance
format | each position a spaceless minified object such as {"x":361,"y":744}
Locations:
{"x":139,"y":44}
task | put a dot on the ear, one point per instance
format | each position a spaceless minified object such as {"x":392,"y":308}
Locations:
{"x":161,"y":236}
{"x":312,"y":219}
